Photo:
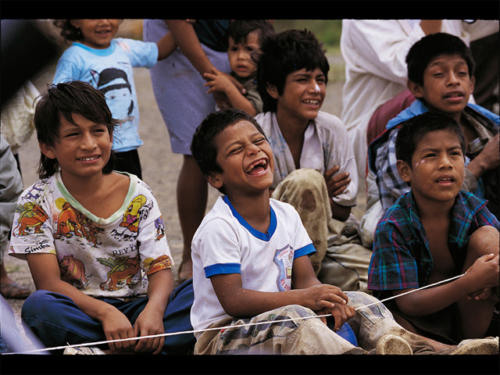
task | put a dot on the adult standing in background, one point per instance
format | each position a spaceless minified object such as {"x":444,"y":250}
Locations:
{"x":178,"y":85}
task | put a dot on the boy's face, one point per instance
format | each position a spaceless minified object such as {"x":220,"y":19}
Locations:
{"x":303,"y":94}
{"x":82,"y":149}
{"x":97,"y":33}
{"x":437,"y":167}
{"x":240,"y":55}
{"x":447,"y":84}
{"x":246,"y":160}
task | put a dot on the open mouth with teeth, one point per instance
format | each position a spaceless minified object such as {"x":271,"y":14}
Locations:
{"x":446,"y":180}
{"x":88,"y":158}
{"x":312,"y":102}
{"x":454,"y":95}
{"x":258,"y":167}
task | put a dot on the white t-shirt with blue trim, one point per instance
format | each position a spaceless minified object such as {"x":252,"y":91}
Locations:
{"x":110,"y":70}
{"x":225,"y":243}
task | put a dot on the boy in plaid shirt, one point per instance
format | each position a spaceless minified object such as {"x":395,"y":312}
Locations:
{"x":434,"y":232}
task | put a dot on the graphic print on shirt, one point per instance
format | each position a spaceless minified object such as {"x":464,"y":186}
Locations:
{"x":137,"y":210}
{"x":151,"y":265}
{"x":124,"y":271}
{"x":284,"y":260}
{"x":160,"y":228}
{"x":71,"y":222}
{"x":73,"y":272}
{"x":30,"y":219}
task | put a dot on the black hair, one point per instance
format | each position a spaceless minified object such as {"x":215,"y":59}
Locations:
{"x":285,"y":53}
{"x":431,"y":46}
{"x":64,"y":99}
{"x":203,"y":146}
{"x":417,"y":127}
{"x":68,"y":31}
{"x":239,"y":29}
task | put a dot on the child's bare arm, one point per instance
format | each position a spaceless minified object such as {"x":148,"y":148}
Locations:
{"x":488,"y":158}
{"x":46,"y":275}
{"x":482,"y":274}
{"x":221,"y":82}
{"x":150,"y":320}
{"x":240,"y":302}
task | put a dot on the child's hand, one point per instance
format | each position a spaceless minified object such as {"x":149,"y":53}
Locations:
{"x":217,"y":81}
{"x":323,"y":297}
{"x":117,"y":326}
{"x":490,"y":153}
{"x":149,"y":322}
{"x":336,"y":183}
{"x":340,"y":313}
{"x":483,"y":273}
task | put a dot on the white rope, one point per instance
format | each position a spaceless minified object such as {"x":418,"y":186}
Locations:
{"x":96,"y":343}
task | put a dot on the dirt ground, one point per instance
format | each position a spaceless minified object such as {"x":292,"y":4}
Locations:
{"x":160,"y":165}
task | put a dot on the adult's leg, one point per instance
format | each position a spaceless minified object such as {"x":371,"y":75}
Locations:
{"x":192,"y":191}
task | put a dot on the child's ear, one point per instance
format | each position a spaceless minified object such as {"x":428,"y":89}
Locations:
{"x":416,"y":89}
{"x":404,"y":170}
{"x":216,"y":180}
{"x":47,"y":150}
{"x":272,"y":91}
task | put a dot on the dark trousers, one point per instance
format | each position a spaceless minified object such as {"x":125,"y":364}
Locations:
{"x":128,"y":161}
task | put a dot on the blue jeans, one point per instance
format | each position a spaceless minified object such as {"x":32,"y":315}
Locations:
{"x":57,"y":321}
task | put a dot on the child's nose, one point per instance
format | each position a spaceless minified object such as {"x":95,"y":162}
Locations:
{"x":88,"y":141}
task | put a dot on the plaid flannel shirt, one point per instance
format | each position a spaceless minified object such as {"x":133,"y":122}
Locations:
{"x":401,"y":256}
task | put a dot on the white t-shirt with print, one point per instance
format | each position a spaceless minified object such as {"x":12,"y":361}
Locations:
{"x":226,"y":244}
{"x":100,"y":256}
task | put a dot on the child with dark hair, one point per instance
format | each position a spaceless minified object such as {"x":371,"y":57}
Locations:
{"x":441,"y":77}
{"x":94,"y":239}
{"x":245,"y":38}
{"x":251,"y":265}
{"x":95,"y":56}
{"x":434,"y":232}
{"x":315,"y":169}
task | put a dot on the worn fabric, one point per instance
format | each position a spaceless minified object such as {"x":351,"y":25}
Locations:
{"x":339,"y":260}
{"x":374,"y":53}
{"x":401,"y":255}
{"x":11,"y":186}
{"x":325,"y":146}
{"x":179,"y":88}
{"x":383,"y":161}
{"x":17,"y":116}
{"x":303,"y":336}
{"x":57,"y":320}
{"x":100,"y":256}
{"x":110,"y":70}
{"x":251,"y":93}
{"x":225,"y":243}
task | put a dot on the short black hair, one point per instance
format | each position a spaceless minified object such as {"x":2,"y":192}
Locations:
{"x":64,"y":99}
{"x":239,"y":29}
{"x":68,"y":31}
{"x":413,"y":130}
{"x":431,"y":46}
{"x":285,"y":53}
{"x":203,"y":146}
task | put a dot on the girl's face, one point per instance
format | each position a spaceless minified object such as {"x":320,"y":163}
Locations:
{"x":82,"y":148}
{"x":97,"y":33}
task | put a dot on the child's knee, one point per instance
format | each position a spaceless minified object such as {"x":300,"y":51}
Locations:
{"x":40,"y":303}
{"x":484,"y":240}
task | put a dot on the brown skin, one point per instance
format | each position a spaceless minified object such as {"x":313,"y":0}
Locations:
{"x":238,"y":146}
{"x":293,"y":116}
{"x":86,"y":182}
{"x":438,"y":154}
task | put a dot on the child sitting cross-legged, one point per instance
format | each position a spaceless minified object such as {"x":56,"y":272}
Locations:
{"x":94,"y":238}
{"x":251,"y":264}
{"x":434,"y":232}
